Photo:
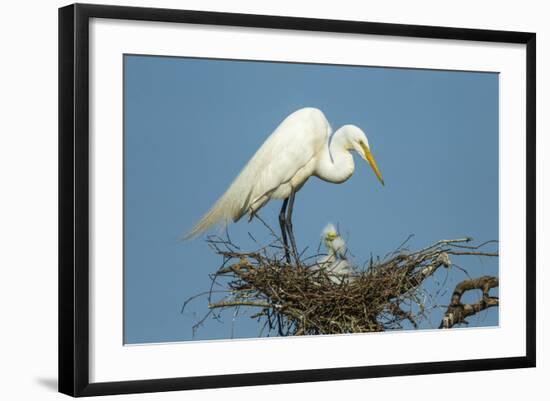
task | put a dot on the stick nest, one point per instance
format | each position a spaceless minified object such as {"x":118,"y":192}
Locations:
{"x":298,"y":298}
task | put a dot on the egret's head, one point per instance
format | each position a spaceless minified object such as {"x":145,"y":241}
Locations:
{"x":329,"y":234}
{"x":358,"y":141}
{"x":333,"y":242}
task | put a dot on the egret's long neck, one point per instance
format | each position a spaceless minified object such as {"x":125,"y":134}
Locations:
{"x":336,"y":162}
{"x":330,"y":251}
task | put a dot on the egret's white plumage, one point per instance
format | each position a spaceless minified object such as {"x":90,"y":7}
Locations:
{"x":297,"y":149}
{"x":333,"y":242}
{"x":335,"y":263}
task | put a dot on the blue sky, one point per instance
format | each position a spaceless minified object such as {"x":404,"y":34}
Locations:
{"x":190,"y":125}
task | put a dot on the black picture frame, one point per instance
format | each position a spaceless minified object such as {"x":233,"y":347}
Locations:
{"x":74,"y":194}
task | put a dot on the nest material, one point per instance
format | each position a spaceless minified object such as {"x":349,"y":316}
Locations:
{"x":302,"y":299}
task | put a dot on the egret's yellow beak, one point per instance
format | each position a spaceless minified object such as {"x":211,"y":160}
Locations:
{"x":370,"y":159}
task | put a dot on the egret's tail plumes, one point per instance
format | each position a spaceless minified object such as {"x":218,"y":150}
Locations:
{"x":221,"y":213}
{"x":213,"y":216}
{"x":230,"y":207}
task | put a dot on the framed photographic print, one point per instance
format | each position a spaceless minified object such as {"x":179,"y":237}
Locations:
{"x":251,"y":199}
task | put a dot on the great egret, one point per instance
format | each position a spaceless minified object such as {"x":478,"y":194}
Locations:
{"x":297,"y":149}
{"x":335,"y":264}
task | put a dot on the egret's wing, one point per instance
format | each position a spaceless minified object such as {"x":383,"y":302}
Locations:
{"x":340,"y":271}
{"x":326,"y":261}
{"x":341,"y":267}
{"x":290,"y":147}
{"x":339,"y":247}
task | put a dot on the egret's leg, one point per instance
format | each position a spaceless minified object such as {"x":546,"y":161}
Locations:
{"x":289,"y":224}
{"x":282,"y":223}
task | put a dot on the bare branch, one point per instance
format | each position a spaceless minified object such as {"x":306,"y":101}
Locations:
{"x":238,"y":303}
{"x":457,"y":312}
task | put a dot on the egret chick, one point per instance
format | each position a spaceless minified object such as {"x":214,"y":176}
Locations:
{"x":333,"y":242}
{"x":335,"y":263}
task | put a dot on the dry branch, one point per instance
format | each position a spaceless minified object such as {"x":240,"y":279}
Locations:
{"x":457,"y":312}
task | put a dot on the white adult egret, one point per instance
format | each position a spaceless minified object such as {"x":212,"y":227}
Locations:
{"x":335,"y":264}
{"x":297,"y":149}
